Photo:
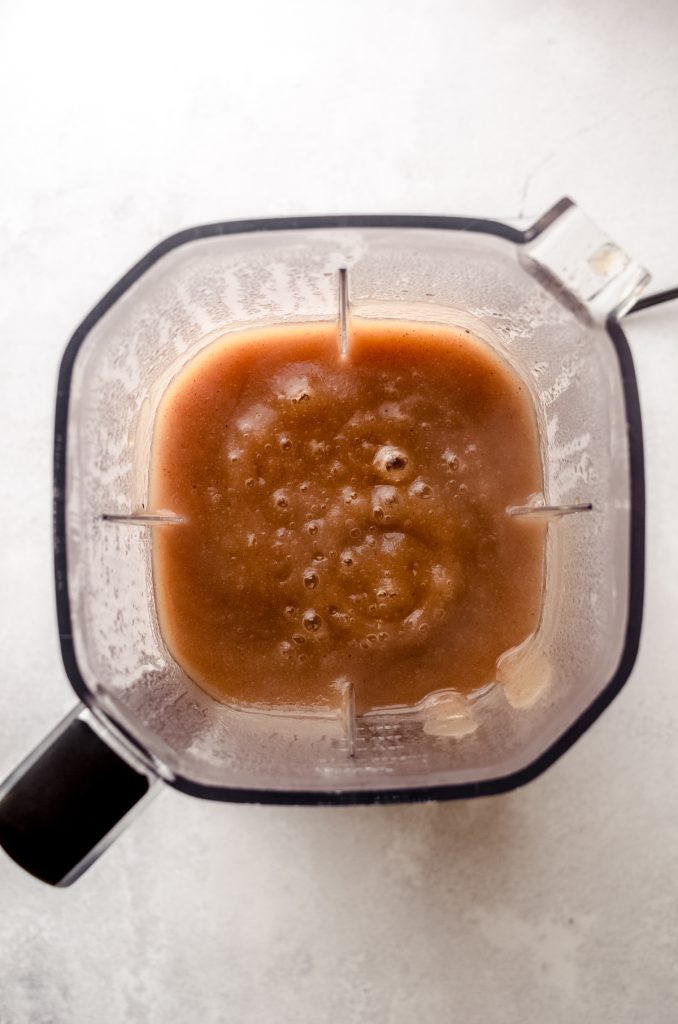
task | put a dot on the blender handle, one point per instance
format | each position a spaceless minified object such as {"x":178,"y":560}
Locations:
{"x":68,"y":800}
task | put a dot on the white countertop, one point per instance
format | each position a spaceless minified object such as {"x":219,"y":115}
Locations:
{"x":122,"y":124}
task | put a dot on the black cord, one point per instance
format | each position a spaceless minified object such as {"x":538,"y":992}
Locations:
{"x":654,"y":300}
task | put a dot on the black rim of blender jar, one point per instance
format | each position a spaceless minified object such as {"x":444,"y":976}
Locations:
{"x":637,"y":514}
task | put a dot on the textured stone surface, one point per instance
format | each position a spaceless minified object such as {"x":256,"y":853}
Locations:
{"x":556,"y":903}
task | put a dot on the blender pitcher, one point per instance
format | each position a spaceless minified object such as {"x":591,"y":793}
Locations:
{"x":549,"y":300}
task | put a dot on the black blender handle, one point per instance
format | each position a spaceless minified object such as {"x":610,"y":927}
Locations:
{"x":67,"y":801}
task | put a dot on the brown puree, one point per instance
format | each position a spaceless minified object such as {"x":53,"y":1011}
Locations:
{"x":345,"y":517}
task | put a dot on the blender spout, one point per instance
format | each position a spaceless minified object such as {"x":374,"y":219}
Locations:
{"x":581,"y":265}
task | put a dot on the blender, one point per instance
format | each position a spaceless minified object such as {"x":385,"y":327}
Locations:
{"x":549,"y":299}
